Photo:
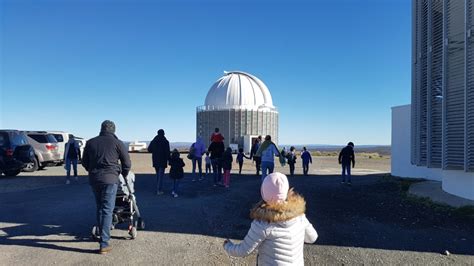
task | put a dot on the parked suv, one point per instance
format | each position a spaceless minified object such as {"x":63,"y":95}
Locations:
{"x":15,"y":152}
{"x":46,"y":148}
{"x":63,"y":138}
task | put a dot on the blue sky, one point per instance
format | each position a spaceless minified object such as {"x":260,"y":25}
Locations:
{"x":334,"y":68}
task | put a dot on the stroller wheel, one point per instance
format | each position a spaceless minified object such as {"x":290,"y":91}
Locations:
{"x":133,"y":232}
{"x":141,"y":224}
{"x":95,"y":233}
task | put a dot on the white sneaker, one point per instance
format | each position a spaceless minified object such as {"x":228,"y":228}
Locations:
{"x":68,"y":182}
{"x":175,"y":195}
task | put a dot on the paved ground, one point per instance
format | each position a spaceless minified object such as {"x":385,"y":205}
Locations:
{"x":433,"y":191}
{"x":46,"y":222}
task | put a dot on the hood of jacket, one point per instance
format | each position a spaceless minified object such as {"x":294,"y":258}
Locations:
{"x":294,"y":206}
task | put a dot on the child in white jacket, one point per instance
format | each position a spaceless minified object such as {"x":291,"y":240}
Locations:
{"x":279,"y":228}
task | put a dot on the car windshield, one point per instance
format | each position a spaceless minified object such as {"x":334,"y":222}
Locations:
{"x":58,"y":137}
{"x":3,"y":139}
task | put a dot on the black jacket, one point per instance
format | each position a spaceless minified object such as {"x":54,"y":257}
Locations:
{"x":101,"y":159}
{"x":346,"y":156}
{"x":160,"y":149}
{"x":176,"y":170}
{"x":227,"y":160}
{"x":216,"y":149}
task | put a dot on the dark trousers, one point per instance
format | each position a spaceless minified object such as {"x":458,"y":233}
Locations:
{"x":258,"y":162}
{"x":305,"y":168}
{"x":292,"y":168}
{"x":198,"y":161}
{"x":217,"y":169}
{"x":240,"y":167}
{"x":105,"y":202}
{"x":346,"y":169}
{"x":176,"y":185}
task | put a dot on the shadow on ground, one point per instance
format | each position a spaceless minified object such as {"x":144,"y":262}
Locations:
{"x":372,"y":213}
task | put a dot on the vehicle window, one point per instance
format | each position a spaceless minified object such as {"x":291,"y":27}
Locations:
{"x":58,"y":137}
{"x":3,"y":139}
{"x":39,"y":138}
{"x":18,"y":139}
{"x":51,"y":138}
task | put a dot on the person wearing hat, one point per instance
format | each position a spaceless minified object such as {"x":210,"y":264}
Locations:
{"x":101,"y":159}
{"x":346,"y":156}
{"x":279,"y":228}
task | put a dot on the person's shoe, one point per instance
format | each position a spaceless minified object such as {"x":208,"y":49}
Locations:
{"x":194,"y":180}
{"x":172,"y":193}
{"x":159,"y":193}
{"x":175,"y":195}
{"x":343,"y":182}
{"x":68,"y":182}
{"x":349,"y":183}
{"x":215,"y":185}
{"x":201,"y":179}
{"x":105,"y":250}
{"x":76,"y":178}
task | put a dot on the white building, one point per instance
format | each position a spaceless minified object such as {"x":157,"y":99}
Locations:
{"x":241,"y":106}
{"x":437,"y":130}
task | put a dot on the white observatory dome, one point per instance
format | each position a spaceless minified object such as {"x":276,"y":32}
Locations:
{"x":238,"y":90}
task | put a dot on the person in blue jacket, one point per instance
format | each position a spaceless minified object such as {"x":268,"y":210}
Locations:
{"x":307,"y":159}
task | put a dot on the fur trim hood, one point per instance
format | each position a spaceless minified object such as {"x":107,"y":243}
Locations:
{"x":294,"y":206}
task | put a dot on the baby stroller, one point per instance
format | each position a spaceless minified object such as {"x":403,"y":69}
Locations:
{"x":126,"y":209}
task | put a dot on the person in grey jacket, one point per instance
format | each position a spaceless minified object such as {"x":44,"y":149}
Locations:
{"x":101,"y":159}
{"x":279,"y":228}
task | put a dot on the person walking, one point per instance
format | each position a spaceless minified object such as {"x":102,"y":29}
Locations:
{"x":176,"y":171}
{"x":267,"y":152}
{"x":346,"y":157}
{"x":291,"y":158}
{"x":72,"y":154}
{"x":198,"y":148}
{"x":227,"y":160}
{"x":306,"y":159}
{"x":217,"y":150}
{"x":160,"y":149}
{"x":101,"y":160}
{"x":279,"y":228}
{"x":240,"y":159}
{"x":253,"y":154}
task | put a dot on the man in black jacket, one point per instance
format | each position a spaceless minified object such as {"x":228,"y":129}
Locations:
{"x":100,"y":159}
{"x":346,"y":156}
{"x":160,"y":149}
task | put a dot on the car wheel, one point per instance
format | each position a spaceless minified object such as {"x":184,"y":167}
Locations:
{"x":31,"y":167}
{"x":12,"y":172}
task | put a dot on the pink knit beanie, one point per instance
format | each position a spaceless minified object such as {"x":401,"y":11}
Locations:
{"x":275,"y":188}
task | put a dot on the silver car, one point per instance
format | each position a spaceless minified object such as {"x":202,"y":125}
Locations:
{"x":46,"y":148}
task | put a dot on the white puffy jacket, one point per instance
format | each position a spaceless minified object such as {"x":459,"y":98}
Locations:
{"x":278,"y":232}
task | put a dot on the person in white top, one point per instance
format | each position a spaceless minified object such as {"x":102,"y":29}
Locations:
{"x":279,"y":228}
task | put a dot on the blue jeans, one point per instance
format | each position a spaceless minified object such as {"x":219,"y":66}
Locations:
{"x":267,"y":166}
{"x":160,"y":173}
{"x":346,"y":168}
{"x":175,"y":185}
{"x":68,"y":163}
{"x":197,"y":160}
{"x":105,"y":202}
{"x":217,"y":169}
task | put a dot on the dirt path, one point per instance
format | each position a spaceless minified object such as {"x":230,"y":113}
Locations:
{"x":368,"y":223}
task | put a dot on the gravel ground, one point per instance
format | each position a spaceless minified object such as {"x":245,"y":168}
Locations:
{"x":44,"y":221}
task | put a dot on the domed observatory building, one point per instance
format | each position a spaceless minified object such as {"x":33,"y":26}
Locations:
{"x":241,"y":106}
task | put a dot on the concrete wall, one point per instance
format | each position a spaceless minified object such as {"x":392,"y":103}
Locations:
{"x":458,"y":183}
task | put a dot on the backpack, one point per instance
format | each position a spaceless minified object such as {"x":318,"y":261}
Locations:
{"x":192,"y":150}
